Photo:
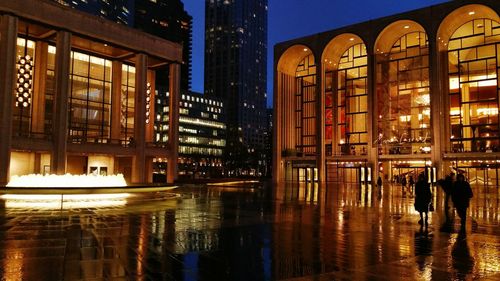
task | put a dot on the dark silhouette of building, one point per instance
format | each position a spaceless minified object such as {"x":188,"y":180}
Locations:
{"x":166,"y":19}
{"x":235,"y":71}
{"x":121,"y":11}
{"x":169,"y":20}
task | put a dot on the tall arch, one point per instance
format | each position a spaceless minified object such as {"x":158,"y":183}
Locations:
{"x":403,"y":92}
{"x":295,"y":104}
{"x":346,"y":91}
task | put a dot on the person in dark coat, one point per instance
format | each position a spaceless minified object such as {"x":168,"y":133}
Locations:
{"x":423,"y":198}
{"x":461,"y":194}
{"x":403,"y":184}
{"x":447,"y":186}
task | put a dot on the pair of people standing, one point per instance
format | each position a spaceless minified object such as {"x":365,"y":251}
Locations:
{"x":459,"y":191}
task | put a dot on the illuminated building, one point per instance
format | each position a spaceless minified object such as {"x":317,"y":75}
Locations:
{"x":395,"y":96}
{"x":78,"y":98}
{"x":235,"y":70}
{"x":202,"y":134}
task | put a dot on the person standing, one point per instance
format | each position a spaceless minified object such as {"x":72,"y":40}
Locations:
{"x":403,"y":185}
{"x":411,"y":185}
{"x":447,"y":186}
{"x":423,"y":198}
{"x":461,"y":194}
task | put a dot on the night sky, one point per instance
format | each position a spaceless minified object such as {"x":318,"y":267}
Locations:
{"x":290,"y":19}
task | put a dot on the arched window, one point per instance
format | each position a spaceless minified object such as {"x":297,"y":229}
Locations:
{"x":305,"y":106}
{"x":403,"y":96}
{"x":473,"y":65}
{"x":349,"y":96}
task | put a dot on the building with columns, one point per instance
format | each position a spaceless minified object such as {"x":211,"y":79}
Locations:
{"x":78,"y":94}
{"x":396,"y":96}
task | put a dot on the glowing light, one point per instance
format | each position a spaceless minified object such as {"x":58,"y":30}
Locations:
{"x":68,"y":201}
{"x":487,"y":111}
{"x":426,"y":149}
{"x":148,"y":101}
{"x":305,"y":49}
{"x":406,"y":26}
{"x":24,"y":81}
{"x":352,"y":39}
{"x":405,"y":118}
{"x":67,"y":180}
{"x":472,"y":13}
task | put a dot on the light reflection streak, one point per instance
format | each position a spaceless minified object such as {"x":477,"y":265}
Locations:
{"x":68,"y":201}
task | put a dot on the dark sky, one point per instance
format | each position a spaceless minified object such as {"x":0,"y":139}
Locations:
{"x":290,"y":19}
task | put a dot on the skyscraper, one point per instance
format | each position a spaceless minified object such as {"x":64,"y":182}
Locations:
{"x":235,"y":71}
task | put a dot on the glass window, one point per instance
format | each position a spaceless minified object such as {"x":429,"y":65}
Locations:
{"x":351,"y":103}
{"x":404,"y":121}
{"x":473,"y":67}
{"x":305,"y":110}
{"x":90,"y":99}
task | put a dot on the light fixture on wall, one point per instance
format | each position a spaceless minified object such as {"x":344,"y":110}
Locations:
{"x":148,"y":101}
{"x":24,"y":80}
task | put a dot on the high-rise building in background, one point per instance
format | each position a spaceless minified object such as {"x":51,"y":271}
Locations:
{"x":235,"y":71}
{"x":166,"y":19}
{"x":121,"y":11}
{"x":169,"y":20}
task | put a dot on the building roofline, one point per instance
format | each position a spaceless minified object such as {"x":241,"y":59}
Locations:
{"x":80,"y":23}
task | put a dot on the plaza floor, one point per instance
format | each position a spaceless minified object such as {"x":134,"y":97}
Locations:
{"x":251,"y":232}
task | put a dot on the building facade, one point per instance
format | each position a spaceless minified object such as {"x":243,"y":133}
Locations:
{"x":79,"y":98}
{"x":166,"y":19}
{"x":397,"y":96}
{"x":202,"y":134}
{"x":235,"y":71}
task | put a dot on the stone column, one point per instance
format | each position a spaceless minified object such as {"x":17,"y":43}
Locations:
{"x":437,"y":95}
{"x":8,"y":44}
{"x":320,"y":121}
{"x":116,"y":101}
{"x":38,"y":117}
{"x":139,"y":168}
{"x":173,"y":130}
{"x":61,"y":103}
{"x":277,"y":128}
{"x":372,"y":118}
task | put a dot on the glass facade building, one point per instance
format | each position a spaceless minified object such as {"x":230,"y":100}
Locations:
{"x":235,"y":71}
{"x":202,"y":134}
{"x":410,"y":93}
{"x":83,"y":97}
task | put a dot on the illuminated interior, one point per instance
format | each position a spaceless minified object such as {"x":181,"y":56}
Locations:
{"x":473,"y":56}
{"x":403,"y":106}
{"x":348,"y":98}
{"x":305,"y":106}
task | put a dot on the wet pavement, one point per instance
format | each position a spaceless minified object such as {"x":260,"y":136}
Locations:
{"x":293,"y":232}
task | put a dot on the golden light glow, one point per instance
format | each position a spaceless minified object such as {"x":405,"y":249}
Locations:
{"x":67,"y":180}
{"x":487,"y":111}
{"x":67,"y":201}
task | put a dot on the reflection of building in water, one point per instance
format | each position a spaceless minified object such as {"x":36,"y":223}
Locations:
{"x":401,"y":97}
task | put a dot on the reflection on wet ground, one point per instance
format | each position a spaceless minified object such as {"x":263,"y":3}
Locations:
{"x":292,"y":232}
